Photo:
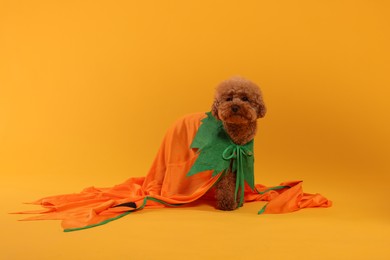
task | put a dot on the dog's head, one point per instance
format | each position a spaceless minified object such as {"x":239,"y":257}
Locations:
{"x":238,"y":101}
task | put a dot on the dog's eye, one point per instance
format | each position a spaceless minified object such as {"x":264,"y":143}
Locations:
{"x":229,"y":99}
{"x":244,"y":98}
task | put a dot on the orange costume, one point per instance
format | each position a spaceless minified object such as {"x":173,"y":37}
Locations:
{"x":168,"y":183}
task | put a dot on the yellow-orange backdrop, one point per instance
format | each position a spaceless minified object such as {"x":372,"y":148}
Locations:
{"x":88,"y":88}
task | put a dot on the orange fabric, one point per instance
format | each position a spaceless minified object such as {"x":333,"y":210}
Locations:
{"x":166,"y":181}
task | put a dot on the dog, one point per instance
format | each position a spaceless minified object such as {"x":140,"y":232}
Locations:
{"x":217,"y":146}
{"x":238,"y":103}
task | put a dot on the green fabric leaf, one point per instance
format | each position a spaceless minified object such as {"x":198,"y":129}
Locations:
{"x":216,"y":151}
{"x":210,"y":140}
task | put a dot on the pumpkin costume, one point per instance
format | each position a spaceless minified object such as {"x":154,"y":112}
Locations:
{"x":194,"y":154}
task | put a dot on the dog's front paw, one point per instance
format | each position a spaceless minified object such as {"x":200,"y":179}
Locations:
{"x":227,"y":204}
{"x":225,"y":192}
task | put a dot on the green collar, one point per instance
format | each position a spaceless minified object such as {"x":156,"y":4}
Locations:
{"x":216,"y":151}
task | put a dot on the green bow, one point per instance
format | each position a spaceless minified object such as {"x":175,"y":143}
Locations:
{"x":238,"y":154}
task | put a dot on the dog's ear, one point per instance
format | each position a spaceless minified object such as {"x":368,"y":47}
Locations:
{"x":214,"y":109}
{"x":261,"y":109}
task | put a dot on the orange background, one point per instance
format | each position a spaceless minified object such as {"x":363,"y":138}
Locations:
{"x":88,"y":88}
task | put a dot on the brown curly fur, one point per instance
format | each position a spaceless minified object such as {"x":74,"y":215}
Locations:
{"x":238,"y":103}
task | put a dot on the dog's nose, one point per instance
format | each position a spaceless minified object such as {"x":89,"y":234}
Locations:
{"x":235,"y":108}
